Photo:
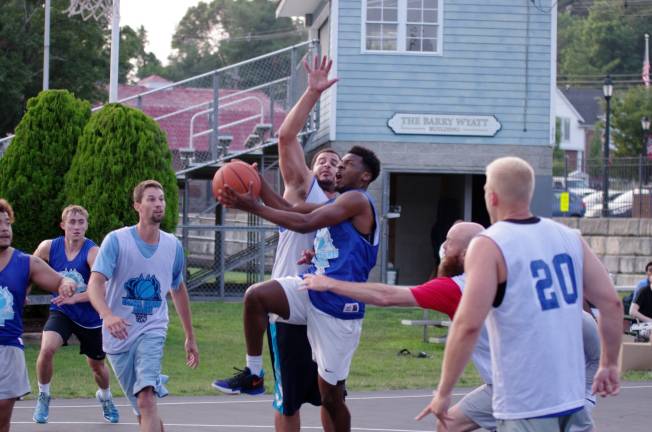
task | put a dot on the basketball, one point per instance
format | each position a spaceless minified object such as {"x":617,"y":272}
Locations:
{"x":237,"y":174}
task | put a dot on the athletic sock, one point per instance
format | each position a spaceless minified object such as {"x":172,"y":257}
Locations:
{"x":255,"y":364}
{"x":44,"y":388}
{"x":105,"y":394}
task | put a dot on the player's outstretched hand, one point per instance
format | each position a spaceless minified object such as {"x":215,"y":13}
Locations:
{"x":67,"y":287}
{"x":62,"y":300}
{"x":116,"y":326}
{"x":316,"y":282}
{"x":318,"y":75}
{"x":606,"y":381}
{"x":192,"y":353}
{"x":241,"y":201}
{"x":438,"y":407}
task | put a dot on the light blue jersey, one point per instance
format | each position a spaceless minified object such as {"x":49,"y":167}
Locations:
{"x":343,"y":253}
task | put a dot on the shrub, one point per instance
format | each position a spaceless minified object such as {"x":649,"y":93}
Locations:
{"x":33,"y":167}
{"x":119,"y":148}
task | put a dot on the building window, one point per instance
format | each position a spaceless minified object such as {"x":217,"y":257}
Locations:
{"x":565,"y":129}
{"x":402,"y":26}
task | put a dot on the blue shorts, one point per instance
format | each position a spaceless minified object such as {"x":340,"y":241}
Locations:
{"x":140,"y":367}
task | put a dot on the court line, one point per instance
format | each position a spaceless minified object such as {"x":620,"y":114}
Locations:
{"x":191,"y":425}
{"x":238,"y":401}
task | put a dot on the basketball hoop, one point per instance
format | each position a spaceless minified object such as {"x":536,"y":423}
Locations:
{"x":95,"y":9}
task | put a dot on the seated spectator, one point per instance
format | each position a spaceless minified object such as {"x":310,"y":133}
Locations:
{"x":643,"y":283}
{"x":641,"y":307}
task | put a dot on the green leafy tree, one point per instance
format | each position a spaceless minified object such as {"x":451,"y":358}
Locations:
{"x":608,"y":40}
{"x":33,"y":167}
{"x":119,"y":148}
{"x":626,"y":113}
{"x":222,"y":32}
{"x":135,"y":60}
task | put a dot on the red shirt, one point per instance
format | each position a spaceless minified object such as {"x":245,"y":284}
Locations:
{"x":441,"y":294}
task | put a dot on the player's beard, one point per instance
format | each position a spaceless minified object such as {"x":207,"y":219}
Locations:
{"x":450,"y":266}
{"x":327,"y":185}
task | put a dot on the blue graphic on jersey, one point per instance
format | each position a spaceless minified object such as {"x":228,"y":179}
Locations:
{"x":6,"y":305}
{"x":324,"y":250}
{"x":77,"y":277}
{"x":564,"y":272}
{"x":144,"y":295}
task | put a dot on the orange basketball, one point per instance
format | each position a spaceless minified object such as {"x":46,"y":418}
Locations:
{"x":237,"y":174}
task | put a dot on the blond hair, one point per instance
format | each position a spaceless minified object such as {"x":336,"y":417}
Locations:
{"x":5,"y":207}
{"x":139,"y":190}
{"x":512,"y":179}
{"x":71,"y":209}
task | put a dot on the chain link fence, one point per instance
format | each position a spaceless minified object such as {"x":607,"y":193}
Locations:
{"x":629,"y":189}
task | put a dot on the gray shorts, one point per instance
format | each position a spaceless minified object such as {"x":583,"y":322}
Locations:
{"x":579,"y":421}
{"x":477,"y":407}
{"x":14,"y":382}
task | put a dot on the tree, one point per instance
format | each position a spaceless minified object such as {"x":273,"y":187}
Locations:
{"x":626,"y":113}
{"x":119,"y":148}
{"x":33,"y":167}
{"x":223,"y":32}
{"x":135,"y":61}
{"x":608,"y":40}
{"x":79,"y":60}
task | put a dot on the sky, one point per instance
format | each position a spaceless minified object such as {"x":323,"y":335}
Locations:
{"x":160,"y":18}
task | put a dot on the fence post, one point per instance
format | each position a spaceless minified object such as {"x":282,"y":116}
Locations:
{"x":219,"y":247}
{"x":184,"y":220}
{"x":293,"y":77}
{"x":640,"y":187}
{"x":271,"y":112}
{"x":215,"y":118}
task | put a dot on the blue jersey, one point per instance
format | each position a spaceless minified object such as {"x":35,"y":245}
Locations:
{"x":14,"y":280}
{"x":343,"y":253}
{"x":82,"y":314}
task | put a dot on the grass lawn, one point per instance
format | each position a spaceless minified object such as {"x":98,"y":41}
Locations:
{"x":218,"y":328}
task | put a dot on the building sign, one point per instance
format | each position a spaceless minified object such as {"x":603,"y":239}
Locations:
{"x":444,"y":124}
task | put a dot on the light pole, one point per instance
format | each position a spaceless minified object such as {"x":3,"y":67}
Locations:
{"x":645,"y":125}
{"x":607,"y":91}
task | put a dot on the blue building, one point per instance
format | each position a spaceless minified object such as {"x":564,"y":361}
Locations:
{"x":438,"y":88}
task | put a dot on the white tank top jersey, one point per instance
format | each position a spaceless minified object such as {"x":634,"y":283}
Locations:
{"x":481,"y":355}
{"x":535,"y":332}
{"x":291,"y":244}
{"x":137,"y":290}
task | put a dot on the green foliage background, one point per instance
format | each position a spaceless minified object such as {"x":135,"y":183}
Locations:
{"x":626,"y":113}
{"x":120,"y":147}
{"x":33,"y":167}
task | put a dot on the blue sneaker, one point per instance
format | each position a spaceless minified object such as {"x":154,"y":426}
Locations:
{"x":42,"y":410}
{"x":242,"y":382}
{"x":109,"y":410}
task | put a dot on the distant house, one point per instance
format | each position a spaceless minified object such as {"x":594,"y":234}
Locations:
{"x":571,"y":134}
{"x":587,"y":103}
{"x":438,"y":89}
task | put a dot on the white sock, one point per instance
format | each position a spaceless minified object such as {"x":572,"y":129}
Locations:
{"x":255,"y":364}
{"x":44,"y":388}
{"x":105,"y":394}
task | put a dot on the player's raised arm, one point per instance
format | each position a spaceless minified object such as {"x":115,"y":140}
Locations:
{"x":296,"y":174}
{"x":42,"y":275}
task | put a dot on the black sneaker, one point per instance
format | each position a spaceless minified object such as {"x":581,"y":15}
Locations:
{"x":242,"y":382}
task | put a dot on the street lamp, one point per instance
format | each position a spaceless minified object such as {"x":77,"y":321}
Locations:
{"x":645,"y":125}
{"x":607,"y":91}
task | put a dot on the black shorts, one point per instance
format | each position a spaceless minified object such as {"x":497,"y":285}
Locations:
{"x":90,"y":340}
{"x":294,"y":371}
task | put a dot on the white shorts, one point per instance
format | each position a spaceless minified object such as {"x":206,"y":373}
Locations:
{"x":333,"y":340}
{"x":14,"y":382}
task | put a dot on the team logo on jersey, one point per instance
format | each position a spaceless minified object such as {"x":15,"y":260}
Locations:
{"x":324,"y":250}
{"x":6,"y":305}
{"x":77,"y":277}
{"x":144,"y":295}
{"x":351,"y":308}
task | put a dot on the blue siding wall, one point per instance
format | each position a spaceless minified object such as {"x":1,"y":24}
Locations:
{"x":482,"y":70}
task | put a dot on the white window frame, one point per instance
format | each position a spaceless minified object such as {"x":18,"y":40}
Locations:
{"x":401,"y":32}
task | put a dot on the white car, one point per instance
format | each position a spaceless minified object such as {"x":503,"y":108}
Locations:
{"x":593,"y":202}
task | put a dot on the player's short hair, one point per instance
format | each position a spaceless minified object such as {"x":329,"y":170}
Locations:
{"x":73,"y":208}
{"x":139,"y":190}
{"x":324,"y":150}
{"x":647,"y":266}
{"x":512,"y":179}
{"x":369,"y":159}
{"x":5,"y":207}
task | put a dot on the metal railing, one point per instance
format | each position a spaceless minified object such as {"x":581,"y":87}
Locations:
{"x":630,"y":188}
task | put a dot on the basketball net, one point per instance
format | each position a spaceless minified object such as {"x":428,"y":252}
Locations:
{"x":95,"y":9}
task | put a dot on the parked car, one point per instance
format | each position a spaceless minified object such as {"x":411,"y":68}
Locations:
{"x":576,"y":207}
{"x":575,"y":182}
{"x":593,"y":202}
{"x":621,"y":205}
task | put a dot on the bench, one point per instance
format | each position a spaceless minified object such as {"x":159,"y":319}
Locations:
{"x":425,"y":323}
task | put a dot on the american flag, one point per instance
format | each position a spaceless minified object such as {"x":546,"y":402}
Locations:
{"x":646,"y":63}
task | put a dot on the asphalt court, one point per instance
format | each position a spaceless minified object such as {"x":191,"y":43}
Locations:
{"x":388,"y":411}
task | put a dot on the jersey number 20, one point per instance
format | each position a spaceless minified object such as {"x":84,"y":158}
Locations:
{"x":564,"y":272}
